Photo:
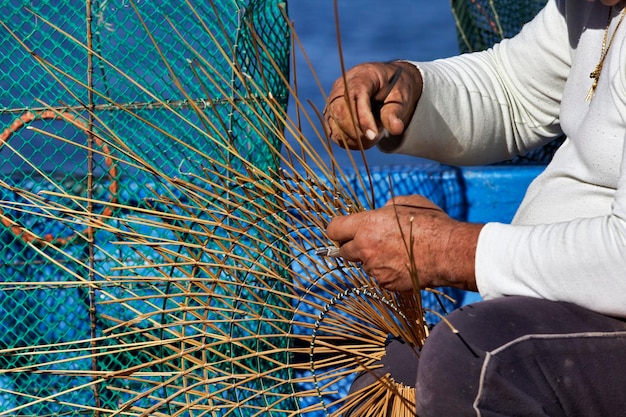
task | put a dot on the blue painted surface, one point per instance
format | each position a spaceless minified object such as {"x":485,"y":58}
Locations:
{"x":493,"y":193}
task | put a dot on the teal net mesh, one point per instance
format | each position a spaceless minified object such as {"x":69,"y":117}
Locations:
{"x":60,"y":321}
{"x":482,"y":23}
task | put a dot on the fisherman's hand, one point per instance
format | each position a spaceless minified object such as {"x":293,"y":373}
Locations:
{"x":355,"y":119}
{"x":409,"y":233}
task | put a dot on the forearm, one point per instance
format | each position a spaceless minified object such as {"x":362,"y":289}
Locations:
{"x":459,"y":256}
{"x":489,"y":106}
{"x":409,"y":243}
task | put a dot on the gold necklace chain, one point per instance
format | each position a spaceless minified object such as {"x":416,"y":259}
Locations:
{"x":595,"y":75}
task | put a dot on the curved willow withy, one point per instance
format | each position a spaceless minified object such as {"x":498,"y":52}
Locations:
{"x":209,"y":297}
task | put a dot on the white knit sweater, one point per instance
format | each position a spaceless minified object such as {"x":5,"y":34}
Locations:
{"x":568,"y":239}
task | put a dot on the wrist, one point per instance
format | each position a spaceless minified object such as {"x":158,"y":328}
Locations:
{"x":459,"y":256}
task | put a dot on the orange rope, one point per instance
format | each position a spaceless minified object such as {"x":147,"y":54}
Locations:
{"x":491,"y":22}
{"x":20,"y":231}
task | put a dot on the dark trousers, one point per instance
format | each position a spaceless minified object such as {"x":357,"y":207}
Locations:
{"x":519,"y":356}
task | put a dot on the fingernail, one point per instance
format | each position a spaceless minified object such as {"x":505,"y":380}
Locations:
{"x":371,"y":135}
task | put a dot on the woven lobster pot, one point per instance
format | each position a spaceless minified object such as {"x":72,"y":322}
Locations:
{"x":87,"y":71}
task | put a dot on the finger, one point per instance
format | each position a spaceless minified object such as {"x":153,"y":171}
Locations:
{"x":400,"y":103}
{"x":339,"y":136}
{"x":415,"y":201}
{"x":391,"y":117}
{"x":340,"y":116}
{"x":350,"y":252}
{"x":344,"y":228}
{"x":352,"y":112}
{"x":366,"y":119}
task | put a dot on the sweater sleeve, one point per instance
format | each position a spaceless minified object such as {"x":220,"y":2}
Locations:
{"x":582,"y":261}
{"x":490,"y":106}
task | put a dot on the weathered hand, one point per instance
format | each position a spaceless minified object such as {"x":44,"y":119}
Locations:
{"x":353,"y":121}
{"x":443,"y":249}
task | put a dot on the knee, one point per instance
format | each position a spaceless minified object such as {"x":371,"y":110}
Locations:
{"x":449,"y":369}
{"x":453,"y":355}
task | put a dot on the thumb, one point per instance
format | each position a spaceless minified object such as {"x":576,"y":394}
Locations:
{"x":391,"y":116}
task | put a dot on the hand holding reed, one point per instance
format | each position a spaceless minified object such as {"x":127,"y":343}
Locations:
{"x":409,"y":243}
{"x":373,"y":105}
